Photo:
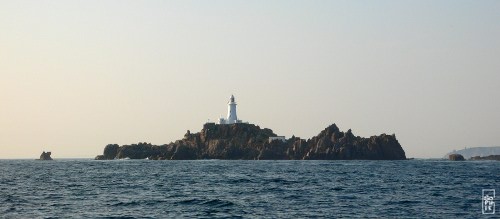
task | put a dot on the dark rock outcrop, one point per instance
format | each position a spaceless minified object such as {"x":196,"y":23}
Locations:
{"x":45,"y":156}
{"x":100,"y":157}
{"x":491,"y":157}
{"x":250,"y":142}
{"x":110,"y":152}
{"x":456,"y":157}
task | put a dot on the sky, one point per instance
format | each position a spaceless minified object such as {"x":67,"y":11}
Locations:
{"x":78,"y":75}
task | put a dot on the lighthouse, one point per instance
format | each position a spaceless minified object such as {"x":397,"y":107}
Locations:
{"x":231,"y":113}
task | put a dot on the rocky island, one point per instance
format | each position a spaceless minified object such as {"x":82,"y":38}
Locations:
{"x":456,"y":157}
{"x":250,"y":142}
{"x":232,"y":139}
{"x":45,"y":156}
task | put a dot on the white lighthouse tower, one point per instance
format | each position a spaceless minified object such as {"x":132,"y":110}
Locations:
{"x":231,"y":113}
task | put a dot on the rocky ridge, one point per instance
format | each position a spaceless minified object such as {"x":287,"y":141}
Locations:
{"x":250,"y":142}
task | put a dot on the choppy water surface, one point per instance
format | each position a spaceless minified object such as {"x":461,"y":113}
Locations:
{"x":262,"y":189}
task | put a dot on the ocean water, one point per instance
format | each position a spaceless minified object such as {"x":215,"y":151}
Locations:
{"x":246,"y":189}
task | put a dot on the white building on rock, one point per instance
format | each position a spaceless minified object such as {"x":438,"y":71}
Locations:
{"x":231,"y":113}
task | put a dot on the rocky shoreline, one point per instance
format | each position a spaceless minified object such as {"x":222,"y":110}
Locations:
{"x":243,"y":141}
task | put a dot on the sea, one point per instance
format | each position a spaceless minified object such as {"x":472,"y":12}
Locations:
{"x":84,"y":188}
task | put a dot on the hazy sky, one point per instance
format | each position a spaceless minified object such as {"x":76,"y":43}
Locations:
{"x":77,"y":75}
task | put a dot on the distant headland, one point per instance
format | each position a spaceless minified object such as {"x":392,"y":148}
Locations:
{"x":471,"y":152}
{"x":232,"y":139}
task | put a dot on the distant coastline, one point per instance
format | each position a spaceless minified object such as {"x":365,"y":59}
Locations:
{"x":468,"y":153}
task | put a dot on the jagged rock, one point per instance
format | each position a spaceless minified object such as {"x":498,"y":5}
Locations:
{"x":250,"y":142}
{"x":491,"y":157}
{"x":45,"y":156}
{"x":456,"y":157}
